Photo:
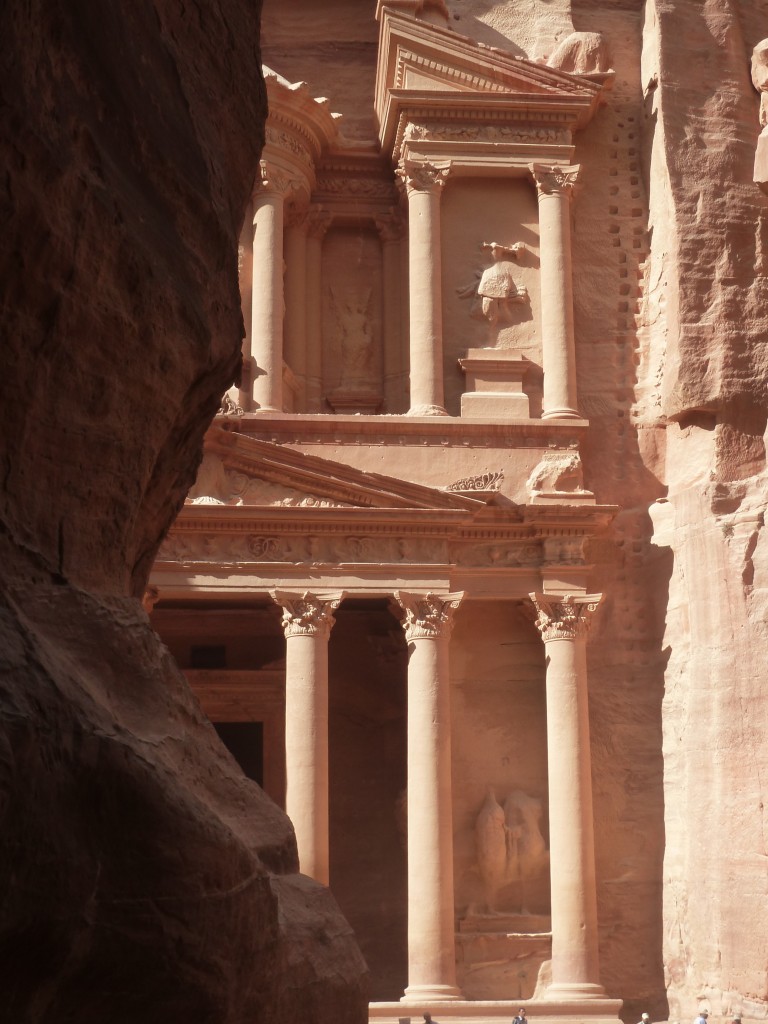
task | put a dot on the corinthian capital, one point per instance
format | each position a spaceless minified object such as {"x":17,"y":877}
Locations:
{"x":306,"y":614}
{"x":422,"y":176}
{"x":551,"y":179}
{"x":272,"y":178}
{"x":428,"y":616}
{"x":564,"y":618}
{"x":318,"y":221}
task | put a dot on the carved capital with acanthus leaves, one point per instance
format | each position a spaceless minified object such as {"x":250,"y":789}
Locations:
{"x":273,"y":180}
{"x":306,"y":614}
{"x":420,"y":176}
{"x":554,"y":179}
{"x":390,"y":227}
{"x":428,"y":616}
{"x":318,"y":221}
{"x":565,"y":617}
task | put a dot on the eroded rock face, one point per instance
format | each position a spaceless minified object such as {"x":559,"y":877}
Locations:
{"x":144,"y":878}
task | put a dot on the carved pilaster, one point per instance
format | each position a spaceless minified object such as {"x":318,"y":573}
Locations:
{"x":422,"y":176}
{"x":428,"y":616}
{"x":551,"y":179}
{"x":306,"y":614}
{"x":564,"y":618}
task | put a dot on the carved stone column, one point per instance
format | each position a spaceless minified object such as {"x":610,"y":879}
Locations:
{"x":431,"y":939}
{"x":267,"y":291}
{"x":318,"y":222}
{"x":391,"y":232}
{"x":241,"y":395}
{"x":307,"y":622}
{"x":563,"y":623}
{"x":296,"y":298}
{"x":424,"y":183}
{"x":554,"y":186}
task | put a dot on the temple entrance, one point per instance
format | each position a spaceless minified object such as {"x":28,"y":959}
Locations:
{"x":367,"y":741}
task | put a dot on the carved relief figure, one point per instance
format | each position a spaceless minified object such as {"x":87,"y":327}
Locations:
{"x":496,"y":289}
{"x":510,"y":846}
{"x":557,"y":473}
{"x":353,"y":317}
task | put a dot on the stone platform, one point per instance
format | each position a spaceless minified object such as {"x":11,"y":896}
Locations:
{"x":587,"y":1011}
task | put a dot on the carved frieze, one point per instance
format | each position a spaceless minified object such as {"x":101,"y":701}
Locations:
{"x":523,"y":134}
{"x":286,"y":140}
{"x":500,"y":554}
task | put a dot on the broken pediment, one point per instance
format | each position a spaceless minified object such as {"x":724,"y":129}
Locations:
{"x":240,"y":470}
{"x":426,"y":68}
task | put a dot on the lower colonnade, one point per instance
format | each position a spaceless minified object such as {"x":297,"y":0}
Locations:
{"x":427,"y":619}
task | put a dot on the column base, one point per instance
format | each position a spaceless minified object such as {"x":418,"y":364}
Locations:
{"x":431,"y":993}
{"x":568,"y":991}
{"x":427,"y":410}
{"x":563,"y":413}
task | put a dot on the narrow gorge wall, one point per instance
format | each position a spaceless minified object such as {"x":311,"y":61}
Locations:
{"x":703,"y":347}
{"x":143,"y":877}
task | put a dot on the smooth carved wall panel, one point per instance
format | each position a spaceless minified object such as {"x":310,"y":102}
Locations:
{"x":353,"y":359}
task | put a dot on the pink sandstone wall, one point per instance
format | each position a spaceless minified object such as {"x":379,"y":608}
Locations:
{"x":670,"y":272}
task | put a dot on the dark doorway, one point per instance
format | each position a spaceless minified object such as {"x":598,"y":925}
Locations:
{"x":367,"y":733}
{"x":245,"y":742}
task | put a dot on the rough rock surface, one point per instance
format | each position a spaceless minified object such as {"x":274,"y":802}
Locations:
{"x":143,"y":877}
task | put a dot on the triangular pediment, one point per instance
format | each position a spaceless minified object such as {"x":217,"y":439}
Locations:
{"x":418,"y":59}
{"x":244,"y":471}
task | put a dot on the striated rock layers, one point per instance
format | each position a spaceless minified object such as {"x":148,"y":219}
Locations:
{"x":143,"y":877}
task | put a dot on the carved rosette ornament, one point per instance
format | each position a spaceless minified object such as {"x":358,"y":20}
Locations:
{"x":564,"y":618}
{"x":422,"y":177}
{"x":306,"y":614}
{"x":428,"y":616}
{"x":554,"y":179}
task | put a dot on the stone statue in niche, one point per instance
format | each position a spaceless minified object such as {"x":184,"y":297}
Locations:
{"x":510,"y":849}
{"x":353,"y":318}
{"x":496,"y":290}
{"x":359,"y":387}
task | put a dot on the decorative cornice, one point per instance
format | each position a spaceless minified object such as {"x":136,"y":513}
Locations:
{"x":564,"y":617}
{"x":306,"y":614}
{"x":428,"y":616}
{"x":553,"y":179}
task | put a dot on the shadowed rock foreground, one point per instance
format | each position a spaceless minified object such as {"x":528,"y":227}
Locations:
{"x":143,"y":877}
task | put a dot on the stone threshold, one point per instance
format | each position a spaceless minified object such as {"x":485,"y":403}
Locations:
{"x":461,"y":1011}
